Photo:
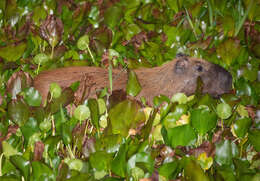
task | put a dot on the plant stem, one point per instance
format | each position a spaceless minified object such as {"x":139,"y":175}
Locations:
{"x":52,"y":50}
{"x":70,"y":152}
{"x":91,"y":55}
{"x":110,"y":76}
{"x":244,"y":18}
{"x":1,"y":157}
{"x":191,"y":24}
{"x":210,"y":13}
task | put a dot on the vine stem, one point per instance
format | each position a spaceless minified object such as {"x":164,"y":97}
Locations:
{"x":91,"y":55}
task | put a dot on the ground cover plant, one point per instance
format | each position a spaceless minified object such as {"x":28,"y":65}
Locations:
{"x":196,"y":138}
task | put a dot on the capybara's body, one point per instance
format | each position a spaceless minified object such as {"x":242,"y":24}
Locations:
{"x":178,"y":75}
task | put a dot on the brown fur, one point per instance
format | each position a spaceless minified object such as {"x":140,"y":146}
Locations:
{"x":178,"y":75}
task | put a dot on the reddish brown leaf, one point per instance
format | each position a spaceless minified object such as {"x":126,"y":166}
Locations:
{"x":38,"y":151}
{"x":51,"y":30}
{"x":251,"y":112}
{"x":17,"y":82}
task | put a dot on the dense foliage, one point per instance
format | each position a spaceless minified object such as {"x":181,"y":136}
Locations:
{"x":195,"y":138}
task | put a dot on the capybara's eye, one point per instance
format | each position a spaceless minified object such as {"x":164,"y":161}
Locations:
{"x":199,"y":68}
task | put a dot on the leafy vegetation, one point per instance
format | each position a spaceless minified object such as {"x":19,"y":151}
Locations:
{"x":195,"y":138}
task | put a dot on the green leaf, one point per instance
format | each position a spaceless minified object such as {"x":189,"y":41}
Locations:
{"x":38,"y":15}
{"x":241,"y":126}
{"x":94,"y":112}
{"x":181,"y":98}
{"x":224,"y":111}
{"x":41,"y":59}
{"x":118,"y":165}
{"x":32,"y":96}
{"x":18,"y":112}
{"x":41,"y":171}
{"x":203,"y":120}
{"x":67,"y":96}
{"x":21,"y":164}
{"x":55,"y":90}
{"x":75,"y":164}
{"x":172,"y":34}
{"x":131,"y":30}
{"x":12,"y":52}
{"x":193,"y":171}
{"x":100,"y":160}
{"x":113,"y":16}
{"x":66,"y":133}
{"x":8,"y":149}
{"x":241,"y":110}
{"x":223,"y":153}
{"x":83,"y":42}
{"x":173,"y":5}
{"x":133,"y":86}
{"x":149,"y":125}
{"x":254,"y":137}
{"x":229,"y":50}
{"x":82,"y":112}
{"x":168,"y":170}
{"x":137,"y":173}
{"x":63,"y":172}
{"x":181,"y":136}
{"x":9,"y":178}
{"x":227,"y":173}
{"x":110,"y":143}
{"x":124,"y":116}
{"x":170,"y":121}
{"x":141,"y":159}
{"x":101,"y":106}
{"x":30,"y":127}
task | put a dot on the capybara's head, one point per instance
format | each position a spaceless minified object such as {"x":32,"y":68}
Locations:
{"x":216,"y":80}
